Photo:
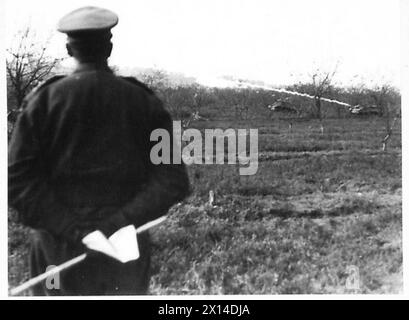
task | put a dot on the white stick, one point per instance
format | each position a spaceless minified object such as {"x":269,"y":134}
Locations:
{"x":151,"y":224}
{"x":64,"y":266}
{"x":33,"y":281}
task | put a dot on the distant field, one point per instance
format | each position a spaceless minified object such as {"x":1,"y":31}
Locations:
{"x":318,"y":204}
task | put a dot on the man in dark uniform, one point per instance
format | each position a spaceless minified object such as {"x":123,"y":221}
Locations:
{"x":79,"y":162}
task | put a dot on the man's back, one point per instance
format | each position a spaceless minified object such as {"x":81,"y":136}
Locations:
{"x":79,"y":162}
{"x":96,"y":130}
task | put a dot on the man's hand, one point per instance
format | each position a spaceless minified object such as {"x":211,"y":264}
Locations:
{"x":122,"y":245}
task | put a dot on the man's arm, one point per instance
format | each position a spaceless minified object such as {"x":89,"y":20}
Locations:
{"x":168,"y":183}
{"x":28,"y":189}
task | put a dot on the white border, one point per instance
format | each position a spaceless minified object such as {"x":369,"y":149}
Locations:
{"x":3,"y":160}
{"x":405,"y":114}
{"x":3,"y":190}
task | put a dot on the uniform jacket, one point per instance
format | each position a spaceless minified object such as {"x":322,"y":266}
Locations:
{"x":81,"y":145}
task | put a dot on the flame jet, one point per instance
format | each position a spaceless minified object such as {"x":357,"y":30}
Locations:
{"x":294,"y":93}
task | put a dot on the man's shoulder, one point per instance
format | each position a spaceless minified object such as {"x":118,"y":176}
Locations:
{"x":41,"y":86}
{"x":138,"y":83}
{"x":155,"y":103}
{"x":47,"y":83}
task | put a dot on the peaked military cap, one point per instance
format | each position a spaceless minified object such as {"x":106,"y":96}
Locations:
{"x":87,"y":19}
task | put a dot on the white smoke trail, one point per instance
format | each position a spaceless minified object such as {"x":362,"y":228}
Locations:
{"x":295,"y":93}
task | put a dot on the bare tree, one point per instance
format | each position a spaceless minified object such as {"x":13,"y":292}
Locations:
{"x":380,"y":96}
{"x":389,"y":125}
{"x":319,"y":87}
{"x":27,"y":64}
{"x":155,"y":79}
{"x":322,"y":85}
{"x":202,"y":97}
{"x":179,"y":101}
{"x":184,"y":102}
{"x":386,"y":99}
{"x":240,"y":100}
{"x":357,"y":94}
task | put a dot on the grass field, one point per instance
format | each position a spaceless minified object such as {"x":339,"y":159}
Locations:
{"x":318,"y":204}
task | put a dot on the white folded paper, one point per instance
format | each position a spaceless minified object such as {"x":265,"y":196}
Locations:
{"x":122,"y":245}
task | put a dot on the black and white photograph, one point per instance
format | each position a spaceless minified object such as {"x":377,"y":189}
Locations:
{"x":204,"y":148}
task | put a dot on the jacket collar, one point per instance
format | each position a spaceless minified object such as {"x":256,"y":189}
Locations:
{"x":92,"y":66}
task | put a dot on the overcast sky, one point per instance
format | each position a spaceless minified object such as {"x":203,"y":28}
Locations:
{"x":276,"y":41}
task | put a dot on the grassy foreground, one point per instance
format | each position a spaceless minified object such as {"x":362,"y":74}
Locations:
{"x":318,"y":204}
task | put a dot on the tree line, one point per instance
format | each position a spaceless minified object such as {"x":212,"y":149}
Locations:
{"x":28,"y":64}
